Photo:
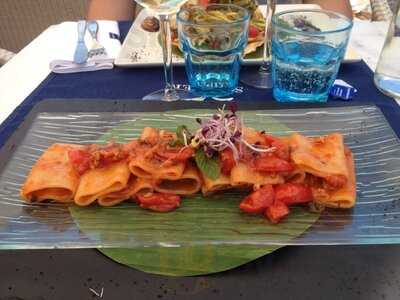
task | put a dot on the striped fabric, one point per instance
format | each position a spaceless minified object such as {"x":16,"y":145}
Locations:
{"x":22,"y":20}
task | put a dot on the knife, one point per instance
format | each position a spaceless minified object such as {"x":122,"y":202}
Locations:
{"x":81,"y":51}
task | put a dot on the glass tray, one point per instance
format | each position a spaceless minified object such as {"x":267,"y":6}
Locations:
{"x":374,"y":220}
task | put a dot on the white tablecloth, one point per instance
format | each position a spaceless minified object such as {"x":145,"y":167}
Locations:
{"x":22,"y":75}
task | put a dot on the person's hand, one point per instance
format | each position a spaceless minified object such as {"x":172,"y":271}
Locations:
{"x":111,"y":10}
{"x":340,"y":6}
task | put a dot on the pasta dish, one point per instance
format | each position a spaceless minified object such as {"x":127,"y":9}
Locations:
{"x":160,"y":167}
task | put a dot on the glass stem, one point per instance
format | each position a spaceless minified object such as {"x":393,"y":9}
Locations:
{"x":266,"y":63}
{"x":165,"y":27}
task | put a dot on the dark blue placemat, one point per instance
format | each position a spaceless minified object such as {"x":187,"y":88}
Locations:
{"x":133,"y":83}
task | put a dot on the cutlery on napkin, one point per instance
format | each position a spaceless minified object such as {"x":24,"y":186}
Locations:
{"x":81,"y":51}
{"x":66,"y":46}
{"x":97,"y":49}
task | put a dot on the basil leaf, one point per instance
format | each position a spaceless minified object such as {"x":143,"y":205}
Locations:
{"x":180,"y":131}
{"x":209,"y":166}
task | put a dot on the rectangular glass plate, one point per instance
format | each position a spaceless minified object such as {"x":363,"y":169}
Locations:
{"x":374,"y":220}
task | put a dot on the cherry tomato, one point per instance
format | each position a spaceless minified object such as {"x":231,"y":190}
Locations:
{"x":227,"y":161}
{"x":293,"y":193}
{"x":347,"y":151}
{"x":203,"y":2}
{"x":258,"y":201}
{"x":80,"y":160}
{"x":336,"y":181}
{"x":184,"y":154}
{"x":276,"y":212}
{"x":271,"y":163}
{"x":215,"y":44}
{"x":253,"y":31}
{"x":269,"y":139}
{"x":160,"y":202}
{"x":281,"y":148}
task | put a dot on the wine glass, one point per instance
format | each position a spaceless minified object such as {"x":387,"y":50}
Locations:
{"x":164,"y":9}
{"x":263,"y":78}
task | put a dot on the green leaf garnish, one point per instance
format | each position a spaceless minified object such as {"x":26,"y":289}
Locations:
{"x":219,"y":214}
{"x":209,"y":166}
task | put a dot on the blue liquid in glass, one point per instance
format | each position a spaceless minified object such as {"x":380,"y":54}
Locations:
{"x":212,"y":73}
{"x":304,"y":71}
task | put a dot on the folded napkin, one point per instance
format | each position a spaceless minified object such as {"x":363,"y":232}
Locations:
{"x":65,"y":41}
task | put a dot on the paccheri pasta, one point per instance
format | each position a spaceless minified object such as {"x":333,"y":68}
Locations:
{"x":160,"y":167}
{"x":53,"y":176}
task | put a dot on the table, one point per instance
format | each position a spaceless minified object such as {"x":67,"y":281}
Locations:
{"x":362,"y":272}
{"x":334,"y":272}
{"x":22,"y":74}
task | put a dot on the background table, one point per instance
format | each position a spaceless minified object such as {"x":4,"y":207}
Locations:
{"x":334,"y":272}
{"x":21,"y":76}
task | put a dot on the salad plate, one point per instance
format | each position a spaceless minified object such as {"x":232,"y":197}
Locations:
{"x":142,"y":48}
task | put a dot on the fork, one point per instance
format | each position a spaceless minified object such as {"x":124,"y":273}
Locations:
{"x":97,"y":49}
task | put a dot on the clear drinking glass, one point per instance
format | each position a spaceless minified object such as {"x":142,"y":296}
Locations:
{"x":212,"y":39}
{"x":164,"y":9}
{"x":263,"y":78}
{"x":307,"y":49}
{"x":387,"y":73}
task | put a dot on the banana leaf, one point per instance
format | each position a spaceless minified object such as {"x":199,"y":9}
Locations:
{"x":205,"y":235}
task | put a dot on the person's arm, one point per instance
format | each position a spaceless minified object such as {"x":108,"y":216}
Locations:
{"x":340,"y":6}
{"x":111,"y":10}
